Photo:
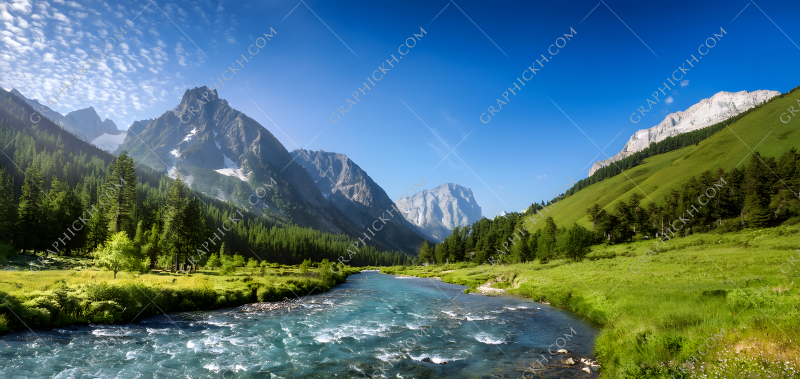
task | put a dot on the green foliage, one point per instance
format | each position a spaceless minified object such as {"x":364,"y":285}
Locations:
{"x":426,"y":253}
{"x":238,"y":260}
{"x":120,"y":254}
{"x":227,"y":268}
{"x":304,"y":267}
{"x":253,"y":263}
{"x":214,"y":261}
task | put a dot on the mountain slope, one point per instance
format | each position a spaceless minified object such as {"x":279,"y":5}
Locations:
{"x":224,"y":153}
{"x":362,"y":200}
{"x":84,"y":123}
{"x":56,"y":117}
{"x":88,"y":122}
{"x":437,"y":211}
{"x":761,"y":129}
{"x":721,"y":106}
{"x":83,"y":169}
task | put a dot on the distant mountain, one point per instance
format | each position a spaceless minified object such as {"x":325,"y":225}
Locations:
{"x":707,"y":112}
{"x":362,"y":200}
{"x":54,"y":116}
{"x":437,"y":211}
{"x":88,"y":122}
{"x":109,"y":142}
{"x":84,"y":123}
{"x":224,"y":153}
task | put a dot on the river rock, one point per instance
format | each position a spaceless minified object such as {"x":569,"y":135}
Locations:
{"x":586,"y":369}
{"x":561,"y":351}
{"x":569,"y":361}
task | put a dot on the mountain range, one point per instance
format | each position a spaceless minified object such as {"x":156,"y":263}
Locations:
{"x":436,"y":212}
{"x":723,"y":105}
{"x":85,"y":123}
{"x":363,"y":201}
{"x":223,"y":153}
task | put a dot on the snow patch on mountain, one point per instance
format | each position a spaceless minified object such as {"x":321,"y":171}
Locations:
{"x":231,"y":169}
{"x":109,"y":142}
{"x":707,"y":112}
{"x":437,"y":211}
{"x":191,"y":134}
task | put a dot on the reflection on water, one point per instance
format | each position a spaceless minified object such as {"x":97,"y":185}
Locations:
{"x":374,"y":325}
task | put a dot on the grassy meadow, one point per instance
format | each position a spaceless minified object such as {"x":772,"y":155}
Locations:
{"x":761,"y":130}
{"x":705,"y":306}
{"x":70,"y":291}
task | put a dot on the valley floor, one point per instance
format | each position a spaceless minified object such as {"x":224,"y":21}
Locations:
{"x":704,"y":306}
{"x":69,"y":292}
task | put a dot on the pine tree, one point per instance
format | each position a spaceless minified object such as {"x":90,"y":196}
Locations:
{"x":757,"y":198}
{"x":8,"y":208}
{"x":425,"y":253}
{"x":98,"y":231}
{"x":592,"y":212}
{"x":30,"y":211}
{"x":176,"y":235}
{"x":121,"y":186}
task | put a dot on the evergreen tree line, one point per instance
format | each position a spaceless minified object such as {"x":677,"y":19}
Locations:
{"x":61,"y":196}
{"x":669,"y":144}
{"x":764,"y":193}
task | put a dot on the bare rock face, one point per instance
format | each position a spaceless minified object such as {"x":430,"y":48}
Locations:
{"x":707,"y":112}
{"x":88,"y":122}
{"x":204,"y":136}
{"x":346,"y":185}
{"x":438,"y":211}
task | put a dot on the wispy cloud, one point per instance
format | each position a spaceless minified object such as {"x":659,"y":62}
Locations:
{"x":541,"y":176}
{"x":669,"y":100}
{"x":684,"y":83}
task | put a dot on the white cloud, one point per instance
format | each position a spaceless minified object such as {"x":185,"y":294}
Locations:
{"x":684,"y":83}
{"x":21,"y":6}
{"x":669,"y":100}
{"x":229,"y":37}
{"x":541,"y":176}
{"x":60,"y":17}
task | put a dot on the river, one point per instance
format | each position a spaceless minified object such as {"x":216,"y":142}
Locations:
{"x":374,"y":325}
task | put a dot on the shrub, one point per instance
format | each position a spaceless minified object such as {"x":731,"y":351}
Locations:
{"x":227,"y":268}
{"x":730,"y":225}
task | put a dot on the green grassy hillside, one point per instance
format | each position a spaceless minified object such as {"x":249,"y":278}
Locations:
{"x":761,"y":130}
{"x":706,"y":306}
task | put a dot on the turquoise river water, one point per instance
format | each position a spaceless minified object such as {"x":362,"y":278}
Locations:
{"x":374,"y":325}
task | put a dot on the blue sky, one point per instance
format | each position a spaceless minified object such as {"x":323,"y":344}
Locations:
{"x":431,"y":101}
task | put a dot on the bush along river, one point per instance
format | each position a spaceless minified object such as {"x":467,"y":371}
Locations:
{"x":373,"y":325}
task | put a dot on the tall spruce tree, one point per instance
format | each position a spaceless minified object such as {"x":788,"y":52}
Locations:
{"x":757,"y":196}
{"x":121,"y":189}
{"x":425,"y":253}
{"x":29,"y":225}
{"x":8,"y":208}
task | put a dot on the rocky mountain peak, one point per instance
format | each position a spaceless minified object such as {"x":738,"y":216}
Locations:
{"x":723,"y":105}
{"x":437,"y":211}
{"x":352,"y":190}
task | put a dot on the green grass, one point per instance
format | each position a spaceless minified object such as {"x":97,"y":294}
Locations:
{"x":79,"y":294}
{"x":661,"y":173}
{"x":655,"y":320}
